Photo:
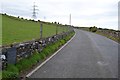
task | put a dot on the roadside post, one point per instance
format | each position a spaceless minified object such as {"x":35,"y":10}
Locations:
{"x":63,"y":29}
{"x":41,"y":30}
{"x":56,"y":29}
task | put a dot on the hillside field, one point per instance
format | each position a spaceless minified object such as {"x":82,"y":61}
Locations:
{"x":16,"y":30}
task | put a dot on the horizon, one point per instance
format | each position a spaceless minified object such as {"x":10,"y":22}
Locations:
{"x":51,"y":22}
{"x":103,"y":14}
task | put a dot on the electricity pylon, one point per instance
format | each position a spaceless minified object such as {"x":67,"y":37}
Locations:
{"x":34,"y":11}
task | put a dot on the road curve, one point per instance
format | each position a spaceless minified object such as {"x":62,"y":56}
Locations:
{"x":88,"y":55}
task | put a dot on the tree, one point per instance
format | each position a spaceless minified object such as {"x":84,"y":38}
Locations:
{"x":18,"y":16}
{"x":55,"y":22}
{"x":38,"y":20}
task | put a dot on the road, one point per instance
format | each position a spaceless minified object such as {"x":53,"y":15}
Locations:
{"x":88,"y":55}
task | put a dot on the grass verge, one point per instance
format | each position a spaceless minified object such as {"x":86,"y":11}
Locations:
{"x":117,"y":39}
{"x":108,"y":36}
{"x":13,"y":71}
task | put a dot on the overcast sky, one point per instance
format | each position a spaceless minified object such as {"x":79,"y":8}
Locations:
{"x":100,"y":13}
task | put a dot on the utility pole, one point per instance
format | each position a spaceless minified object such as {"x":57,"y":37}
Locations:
{"x":70,"y":20}
{"x":34,"y":11}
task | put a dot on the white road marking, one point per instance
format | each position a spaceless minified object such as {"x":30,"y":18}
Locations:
{"x":49,"y":57}
{"x":101,"y":63}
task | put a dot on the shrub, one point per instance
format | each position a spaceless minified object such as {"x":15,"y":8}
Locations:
{"x":22,"y":18}
{"x":93,"y":29}
{"x":18,"y":16}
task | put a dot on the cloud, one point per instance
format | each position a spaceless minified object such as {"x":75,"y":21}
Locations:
{"x":101,"y":13}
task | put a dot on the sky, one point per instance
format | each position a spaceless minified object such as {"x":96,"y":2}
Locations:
{"x":84,"y":13}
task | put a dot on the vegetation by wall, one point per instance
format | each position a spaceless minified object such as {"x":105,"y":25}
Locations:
{"x":14,"y":70}
{"x":109,"y":33}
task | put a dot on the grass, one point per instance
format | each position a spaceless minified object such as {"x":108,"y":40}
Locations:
{"x":100,"y":33}
{"x":16,"y":30}
{"x":108,"y":36}
{"x":0,"y":75}
{"x":0,"y":29}
{"x":13,"y":71}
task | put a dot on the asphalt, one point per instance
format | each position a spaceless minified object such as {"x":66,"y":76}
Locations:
{"x":88,"y":55}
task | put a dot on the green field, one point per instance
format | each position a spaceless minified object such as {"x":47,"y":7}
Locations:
{"x":16,"y":30}
{"x":0,"y":29}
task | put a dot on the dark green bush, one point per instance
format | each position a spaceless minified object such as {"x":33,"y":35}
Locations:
{"x":93,"y":29}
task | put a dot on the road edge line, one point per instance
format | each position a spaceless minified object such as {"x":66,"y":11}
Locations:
{"x":29,"y":74}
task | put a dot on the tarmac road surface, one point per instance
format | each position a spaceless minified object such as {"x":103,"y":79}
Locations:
{"x":88,"y":55}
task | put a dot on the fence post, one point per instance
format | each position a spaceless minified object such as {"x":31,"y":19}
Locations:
{"x":41,"y":30}
{"x":56,"y":29}
{"x":63,"y":28}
